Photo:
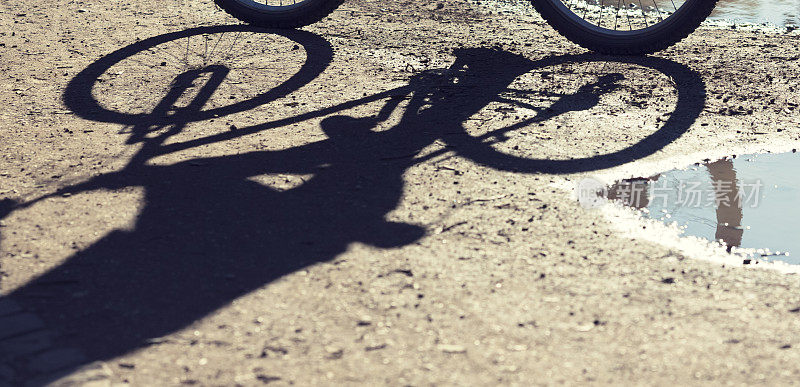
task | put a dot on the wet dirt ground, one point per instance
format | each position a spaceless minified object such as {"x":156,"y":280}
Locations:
{"x":374,"y":199}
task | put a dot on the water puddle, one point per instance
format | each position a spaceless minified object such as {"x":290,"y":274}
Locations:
{"x":777,"y":12}
{"x":748,"y":203}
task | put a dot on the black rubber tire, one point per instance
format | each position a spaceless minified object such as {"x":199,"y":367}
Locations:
{"x":645,"y":41}
{"x":308,"y":12}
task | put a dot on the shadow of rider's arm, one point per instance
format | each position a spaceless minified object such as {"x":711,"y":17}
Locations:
{"x":110,"y":181}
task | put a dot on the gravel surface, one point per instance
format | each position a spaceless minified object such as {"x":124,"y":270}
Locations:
{"x":382,"y":198}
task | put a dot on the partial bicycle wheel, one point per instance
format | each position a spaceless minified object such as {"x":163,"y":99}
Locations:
{"x":631,"y":27}
{"x":279,"y":13}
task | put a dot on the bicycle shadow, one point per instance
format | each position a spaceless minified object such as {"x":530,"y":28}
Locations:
{"x":208,"y":234}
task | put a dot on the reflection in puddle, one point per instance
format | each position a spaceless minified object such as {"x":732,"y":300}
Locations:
{"x":747,"y":202}
{"x":777,"y":12}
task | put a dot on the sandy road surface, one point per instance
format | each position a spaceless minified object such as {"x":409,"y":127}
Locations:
{"x":368,"y":201}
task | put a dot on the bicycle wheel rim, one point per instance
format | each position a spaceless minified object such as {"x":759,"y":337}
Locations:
{"x":667,"y":22}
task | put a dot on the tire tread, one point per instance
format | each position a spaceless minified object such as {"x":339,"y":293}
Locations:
{"x":311,"y":15}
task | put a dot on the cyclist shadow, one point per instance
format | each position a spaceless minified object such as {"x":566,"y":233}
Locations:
{"x":209,"y":233}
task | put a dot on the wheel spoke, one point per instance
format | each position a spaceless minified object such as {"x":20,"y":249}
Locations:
{"x":642,"y":18}
{"x":644,"y":15}
{"x":660,"y":19}
{"x":600,"y":15}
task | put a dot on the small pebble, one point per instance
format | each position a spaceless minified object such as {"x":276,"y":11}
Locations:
{"x":452,"y":348}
